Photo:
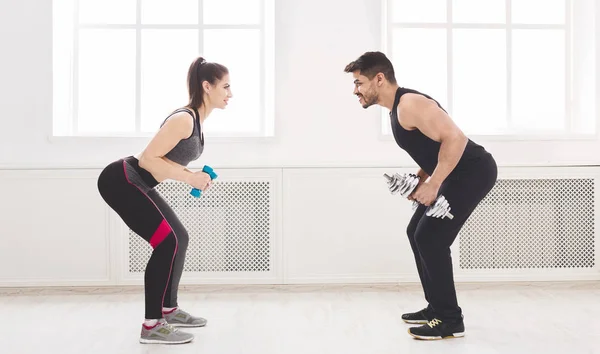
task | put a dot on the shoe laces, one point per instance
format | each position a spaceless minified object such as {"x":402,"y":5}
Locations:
{"x":169,"y":326}
{"x":183,"y":312}
{"x":434,"y":322}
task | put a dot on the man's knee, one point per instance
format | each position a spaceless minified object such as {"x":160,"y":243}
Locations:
{"x":423,"y":241}
{"x":411,"y":229}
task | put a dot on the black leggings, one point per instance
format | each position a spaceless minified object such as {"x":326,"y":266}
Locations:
{"x":430,"y":238}
{"x":129,"y":191}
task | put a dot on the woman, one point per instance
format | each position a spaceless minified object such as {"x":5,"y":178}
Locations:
{"x":127,"y":185}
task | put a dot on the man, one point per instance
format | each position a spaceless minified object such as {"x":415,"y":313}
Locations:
{"x":450,"y":165}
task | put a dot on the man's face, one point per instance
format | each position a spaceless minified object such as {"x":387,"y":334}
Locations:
{"x":366,"y":90}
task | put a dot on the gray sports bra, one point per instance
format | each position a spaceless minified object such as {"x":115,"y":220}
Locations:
{"x":191,"y":148}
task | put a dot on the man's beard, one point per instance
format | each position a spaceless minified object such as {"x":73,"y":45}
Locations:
{"x":369,"y":102}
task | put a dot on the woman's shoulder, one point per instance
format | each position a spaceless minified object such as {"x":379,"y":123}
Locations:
{"x":181,"y":114}
{"x":182,"y":120}
{"x":182,"y":111}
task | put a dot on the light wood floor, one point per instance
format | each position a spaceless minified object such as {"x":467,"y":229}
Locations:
{"x":499,"y":318}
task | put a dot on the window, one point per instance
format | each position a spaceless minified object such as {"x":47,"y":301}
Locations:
{"x":120,"y":66}
{"x":499,"y":67}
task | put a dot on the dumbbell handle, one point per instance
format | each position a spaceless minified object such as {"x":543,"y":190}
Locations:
{"x":206,"y":169}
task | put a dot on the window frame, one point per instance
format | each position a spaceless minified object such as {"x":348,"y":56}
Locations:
{"x":388,"y":25}
{"x":266,"y":67}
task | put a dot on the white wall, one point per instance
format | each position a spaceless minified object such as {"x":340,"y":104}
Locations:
{"x":318,"y":124}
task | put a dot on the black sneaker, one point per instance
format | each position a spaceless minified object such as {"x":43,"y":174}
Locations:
{"x":419,"y":317}
{"x":436,"y":329}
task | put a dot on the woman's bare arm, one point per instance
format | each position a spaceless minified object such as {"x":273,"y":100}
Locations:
{"x":177,"y":127}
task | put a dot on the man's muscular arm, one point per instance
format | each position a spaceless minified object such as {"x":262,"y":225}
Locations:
{"x":417,"y":111}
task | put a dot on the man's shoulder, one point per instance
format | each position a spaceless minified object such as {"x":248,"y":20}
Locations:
{"x":412,"y":100}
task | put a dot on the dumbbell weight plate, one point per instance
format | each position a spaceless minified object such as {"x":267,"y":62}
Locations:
{"x":441,"y":209}
{"x":408,"y":185}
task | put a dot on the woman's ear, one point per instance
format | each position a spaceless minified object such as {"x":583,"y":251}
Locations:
{"x":206,"y":86}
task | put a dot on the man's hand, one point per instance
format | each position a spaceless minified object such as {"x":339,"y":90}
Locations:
{"x":422,"y":178}
{"x":426,"y":193}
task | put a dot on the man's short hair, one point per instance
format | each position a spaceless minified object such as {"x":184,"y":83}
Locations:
{"x":370,"y":64}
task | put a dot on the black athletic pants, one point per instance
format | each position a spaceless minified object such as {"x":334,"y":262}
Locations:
{"x":129,"y":191}
{"x":431,"y":238}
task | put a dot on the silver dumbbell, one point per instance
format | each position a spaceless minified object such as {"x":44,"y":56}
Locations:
{"x":405,"y":184}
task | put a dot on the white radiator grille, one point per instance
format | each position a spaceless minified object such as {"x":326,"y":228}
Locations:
{"x":229,"y":227}
{"x":531,"y":223}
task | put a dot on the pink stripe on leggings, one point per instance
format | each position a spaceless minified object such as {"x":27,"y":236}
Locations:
{"x":160,"y":234}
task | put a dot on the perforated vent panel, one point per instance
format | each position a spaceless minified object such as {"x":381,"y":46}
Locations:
{"x":531,"y":223}
{"x":229,"y":227}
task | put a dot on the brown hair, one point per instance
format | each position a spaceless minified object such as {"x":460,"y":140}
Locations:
{"x":201,"y":71}
{"x":370,"y":64}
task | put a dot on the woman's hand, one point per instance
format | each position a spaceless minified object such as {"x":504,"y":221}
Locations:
{"x":199,"y":180}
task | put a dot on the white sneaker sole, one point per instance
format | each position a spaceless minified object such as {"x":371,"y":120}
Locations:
{"x":454,"y":335}
{"x":159,"y":341}
{"x":187,"y":325}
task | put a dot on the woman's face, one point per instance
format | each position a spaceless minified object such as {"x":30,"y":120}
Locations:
{"x":220,"y":93}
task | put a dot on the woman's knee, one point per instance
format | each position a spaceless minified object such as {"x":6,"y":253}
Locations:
{"x":168,"y":244}
{"x":183,"y":239}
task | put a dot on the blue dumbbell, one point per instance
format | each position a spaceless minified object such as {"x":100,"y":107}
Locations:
{"x":207,"y":169}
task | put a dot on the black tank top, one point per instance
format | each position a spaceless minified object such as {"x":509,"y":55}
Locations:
{"x":423,"y":149}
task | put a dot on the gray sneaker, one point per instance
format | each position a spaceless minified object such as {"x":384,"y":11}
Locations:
{"x":180,"y":318}
{"x":164,"y":333}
